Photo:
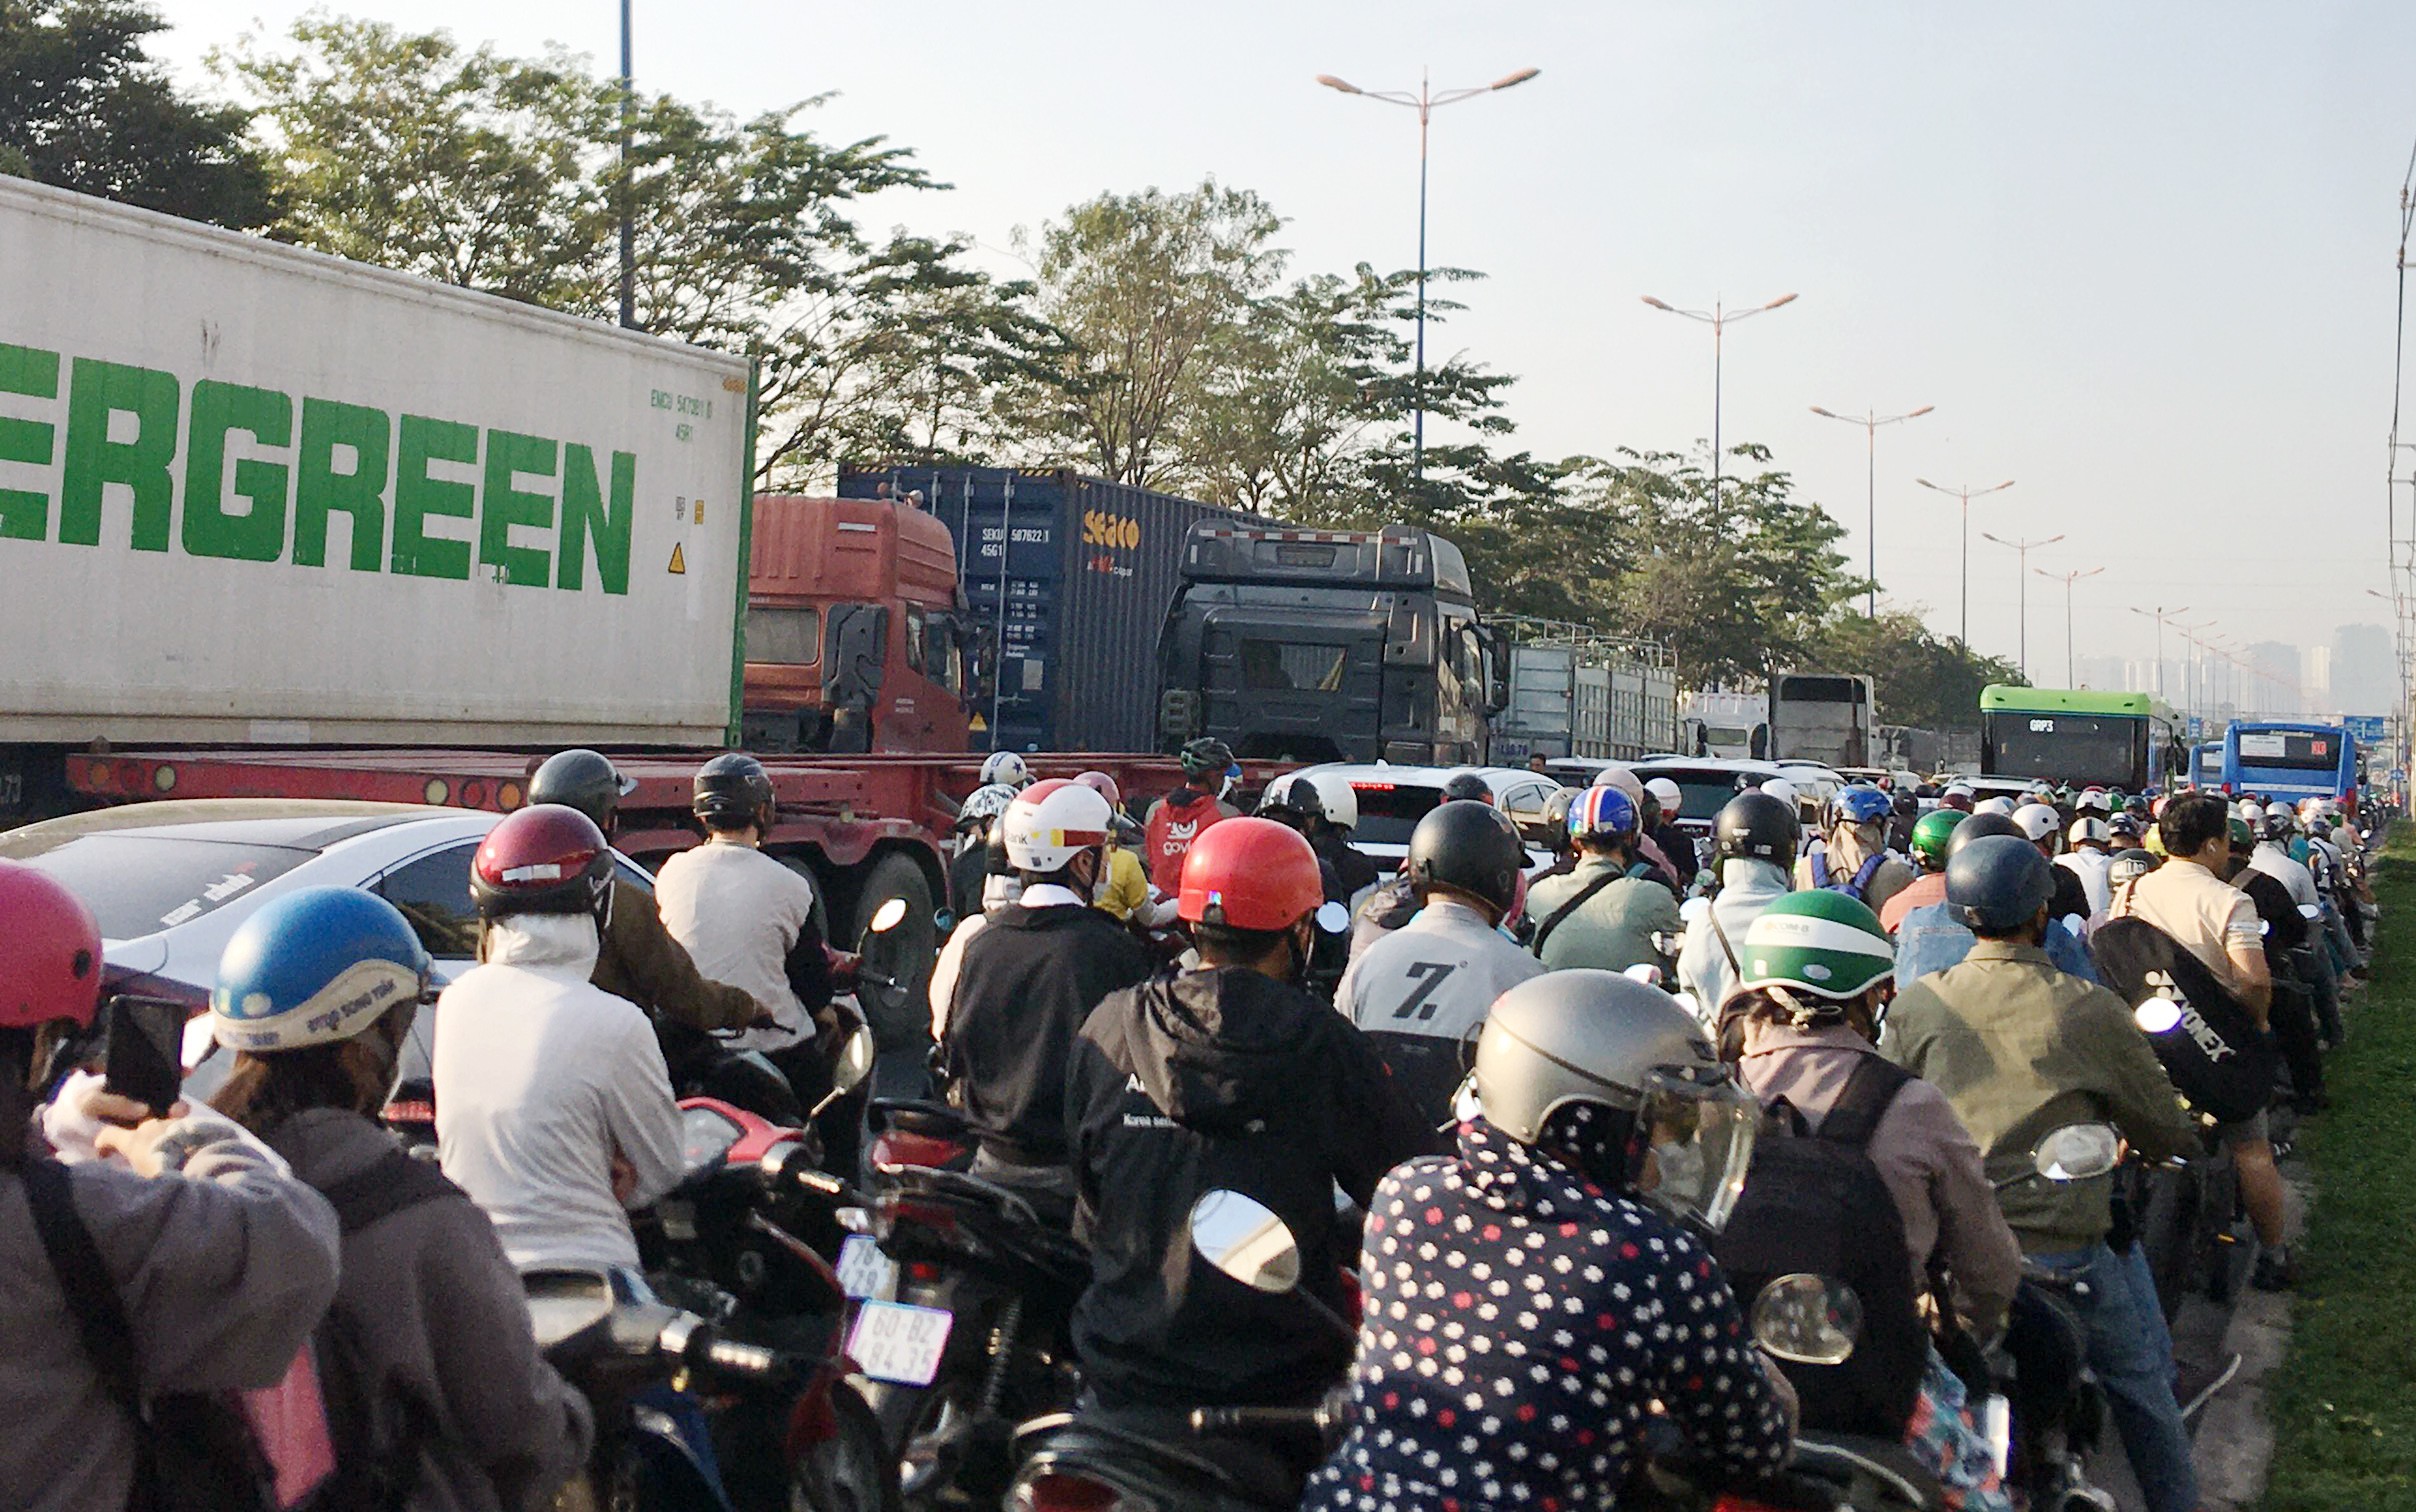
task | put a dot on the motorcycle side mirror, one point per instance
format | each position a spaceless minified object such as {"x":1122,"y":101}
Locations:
{"x":887,"y":917}
{"x":2157,"y":1015}
{"x":2078,"y":1152}
{"x":854,"y":1062}
{"x":1243,"y":1237}
{"x":1333,"y":918}
{"x":1806,"y":1319}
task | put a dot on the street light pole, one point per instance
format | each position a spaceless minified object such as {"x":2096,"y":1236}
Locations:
{"x":1425,"y":102}
{"x":629,"y":239}
{"x":1870,"y":421}
{"x":1718,"y":317}
{"x":1966,"y":493}
{"x":2160,"y":615}
{"x":2021,"y":582}
{"x":2071,"y":679}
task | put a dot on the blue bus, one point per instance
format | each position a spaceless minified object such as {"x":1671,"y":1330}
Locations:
{"x":2293,"y":761}
{"x":2206,"y":764}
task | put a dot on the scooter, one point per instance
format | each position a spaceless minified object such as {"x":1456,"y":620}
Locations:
{"x":740,"y":1242}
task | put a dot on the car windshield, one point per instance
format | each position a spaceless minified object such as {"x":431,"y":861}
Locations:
{"x":140,"y":884}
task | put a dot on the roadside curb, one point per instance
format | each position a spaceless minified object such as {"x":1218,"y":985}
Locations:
{"x":2234,"y":1443}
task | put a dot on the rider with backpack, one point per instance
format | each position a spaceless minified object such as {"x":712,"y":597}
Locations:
{"x":434,"y":1395}
{"x":1611,"y":912}
{"x":1855,"y":860}
{"x":1880,"y":1186}
{"x":172,"y":1258}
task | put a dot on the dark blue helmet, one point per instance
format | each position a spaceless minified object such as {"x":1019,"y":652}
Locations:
{"x":1997,"y":882}
{"x":1859,"y":804}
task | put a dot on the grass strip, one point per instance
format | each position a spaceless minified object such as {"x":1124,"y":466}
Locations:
{"x":2345,"y":1398}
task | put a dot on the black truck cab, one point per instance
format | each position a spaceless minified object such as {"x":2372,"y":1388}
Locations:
{"x":1320,"y":645}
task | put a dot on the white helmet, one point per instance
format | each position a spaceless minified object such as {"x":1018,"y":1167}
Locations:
{"x":984,"y":804}
{"x":1006,"y":769}
{"x":1341,"y":799}
{"x":1997,"y":805}
{"x":2088,"y":829}
{"x":1783,"y":790}
{"x":1052,"y":822}
{"x":2038,"y":821}
{"x":2094,"y":800}
{"x":1623,"y":777}
{"x":1670,"y":796}
{"x":2252,"y":811}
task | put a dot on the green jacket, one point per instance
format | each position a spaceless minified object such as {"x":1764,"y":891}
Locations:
{"x":2020,"y":1049}
{"x":1611,"y":930}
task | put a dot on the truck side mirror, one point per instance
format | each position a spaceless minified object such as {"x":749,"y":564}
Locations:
{"x":1494,"y":656}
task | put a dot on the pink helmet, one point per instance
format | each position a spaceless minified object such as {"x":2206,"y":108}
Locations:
{"x":50,"y":951}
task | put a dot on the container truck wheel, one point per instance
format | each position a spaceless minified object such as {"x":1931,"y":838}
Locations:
{"x":906,"y":1026}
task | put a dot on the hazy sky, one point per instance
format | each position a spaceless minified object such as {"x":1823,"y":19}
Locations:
{"x":2140,"y":257}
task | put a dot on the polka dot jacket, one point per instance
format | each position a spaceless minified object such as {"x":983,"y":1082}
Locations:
{"x":1518,"y":1321}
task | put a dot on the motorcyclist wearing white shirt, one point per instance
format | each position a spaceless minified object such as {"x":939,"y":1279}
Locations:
{"x":747,"y":919}
{"x":2091,"y":838}
{"x":1754,"y":841}
{"x":553,"y":1108}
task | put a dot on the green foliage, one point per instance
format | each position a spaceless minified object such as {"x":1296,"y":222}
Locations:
{"x":1923,"y":679}
{"x":83,"y":108}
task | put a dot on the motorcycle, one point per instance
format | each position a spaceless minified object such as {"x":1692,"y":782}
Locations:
{"x":739,"y":1243}
{"x":965,"y":1297}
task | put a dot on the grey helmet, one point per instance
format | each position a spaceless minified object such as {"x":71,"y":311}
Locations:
{"x":733,"y":790}
{"x":1577,"y":1037}
{"x":582,"y":779}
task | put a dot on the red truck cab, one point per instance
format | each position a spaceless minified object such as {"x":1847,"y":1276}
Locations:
{"x":855,"y":637}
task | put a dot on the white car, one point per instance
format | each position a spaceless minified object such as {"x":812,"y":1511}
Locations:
{"x":1392,"y":799}
{"x":170,"y":882}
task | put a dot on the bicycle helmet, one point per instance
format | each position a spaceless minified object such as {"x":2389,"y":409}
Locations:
{"x":1756,"y":825}
{"x":1930,"y":837}
{"x":733,"y":791}
{"x":313,"y":967}
{"x":1205,"y":757}
{"x":1470,"y":848}
{"x":1250,"y":874}
{"x":1611,"y":1072}
{"x":1007,"y":769}
{"x":1602,"y":812}
{"x":549,"y":859}
{"x":585,"y":780}
{"x":1819,"y":943}
{"x":50,"y":951}
{"x":1997,"y":882}
{"x":1052,"y":822}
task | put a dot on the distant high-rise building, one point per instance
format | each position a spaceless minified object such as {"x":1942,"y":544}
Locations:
{"x":2365,"y":672}
{"x":2272,"y":687}
{"x":2315,"y":676}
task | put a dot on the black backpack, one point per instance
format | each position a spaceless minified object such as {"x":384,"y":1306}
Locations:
{"x":1814,"y":1203}
{"x":2216,"y":1057}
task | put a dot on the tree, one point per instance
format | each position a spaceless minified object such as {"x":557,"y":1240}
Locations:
{"x":83,"y":108}
{"x":1147,"y":288}
{"x":1928,"y":681}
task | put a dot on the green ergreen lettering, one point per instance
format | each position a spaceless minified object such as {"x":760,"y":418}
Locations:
{"x":417,"y":496}
{"x":320,"y":490}
{"x":584,"y":513}
{"x":258,"y":534}
{"x":501,"y":506}
{"x":96,"y":390}
{"x":25,"y":514}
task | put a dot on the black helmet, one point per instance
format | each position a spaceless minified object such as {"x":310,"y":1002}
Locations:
{"x":582,"y":779}
{"x":1980,"y":827}
{"x":733,"y":790}
{"x":1467,"y":787}
{"x":1756,"y":825}
{"x":1471,"y":848}
{"x":1997,"y":882}
{"x":1206,"y":756}
{"x":1553,"y":826}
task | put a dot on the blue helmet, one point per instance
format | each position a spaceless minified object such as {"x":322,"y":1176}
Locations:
{"x":1602,"y":811}
{"x":314,"y":967}
{"x":1859,"y":804}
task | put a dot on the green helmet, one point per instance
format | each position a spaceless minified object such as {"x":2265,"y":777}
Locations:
{"x":1930,"y":836}
{"x":1821,"y":944}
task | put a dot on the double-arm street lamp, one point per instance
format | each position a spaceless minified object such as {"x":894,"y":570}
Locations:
{"x":1966,"y":493}
{"x":1719,"y":317}
{"x":1425,"y":102}
{"x":2021,"y":582}
{"x":2068,"y":579}
{"x":1870,"y":421}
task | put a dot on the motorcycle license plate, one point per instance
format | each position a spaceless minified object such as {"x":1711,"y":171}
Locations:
{"x":894,"y":1342}
{"x":865,"y":1271}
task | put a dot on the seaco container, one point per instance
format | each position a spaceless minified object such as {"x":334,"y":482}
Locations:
{"x":1089,"y":567}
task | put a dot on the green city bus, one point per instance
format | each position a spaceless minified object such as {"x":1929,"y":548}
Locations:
{"x":2080,"y":737}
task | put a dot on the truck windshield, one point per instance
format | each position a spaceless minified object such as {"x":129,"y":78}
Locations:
{"x":140,"y":884}
{"x":1291,"y":667}
{"x":1387,"y":813}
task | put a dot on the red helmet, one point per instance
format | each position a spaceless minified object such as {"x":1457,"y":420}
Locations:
{"x":1103,"y":785}
{"x":50,"y":951}
{"x":1250,"y":874}
{"x":545,"y":859}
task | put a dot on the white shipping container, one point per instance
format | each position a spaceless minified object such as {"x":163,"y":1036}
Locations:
{"x":250,"y":494}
